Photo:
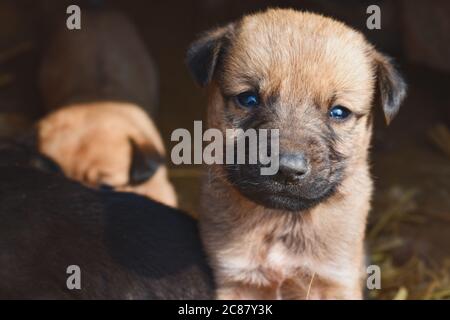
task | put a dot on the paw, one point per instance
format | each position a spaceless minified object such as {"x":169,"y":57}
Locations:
{"x":114,"y":144}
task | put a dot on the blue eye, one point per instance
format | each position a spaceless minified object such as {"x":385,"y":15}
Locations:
{"x":339,"y":112}
{"x":248,"y":99}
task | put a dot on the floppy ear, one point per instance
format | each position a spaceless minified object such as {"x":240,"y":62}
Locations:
{"x":145,"y":161}
{"x":391,"y":86}
{"x":203,"y":54}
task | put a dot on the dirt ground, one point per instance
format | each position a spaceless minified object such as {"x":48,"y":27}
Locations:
{"x":409,"y":229}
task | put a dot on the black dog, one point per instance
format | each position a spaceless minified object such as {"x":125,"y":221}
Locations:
{"x":126,"y":246}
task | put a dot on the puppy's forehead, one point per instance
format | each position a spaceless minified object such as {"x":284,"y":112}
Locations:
{"x":290,"y":51}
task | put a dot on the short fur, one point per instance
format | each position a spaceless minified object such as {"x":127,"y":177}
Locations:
{"x":127,"y":246}
{"x":97,"y":143}
{"x":266,"y":238}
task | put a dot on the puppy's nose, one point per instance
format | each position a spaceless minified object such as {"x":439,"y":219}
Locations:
{"x":293,"y":167}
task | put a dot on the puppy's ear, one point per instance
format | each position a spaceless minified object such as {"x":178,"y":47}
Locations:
{"x":145,"y":161}
{"x":203,"y":54}
{"x":391,"y":86}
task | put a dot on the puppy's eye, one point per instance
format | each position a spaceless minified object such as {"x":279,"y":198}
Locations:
{"x":339,"y":113}
{"x":248,"y":99}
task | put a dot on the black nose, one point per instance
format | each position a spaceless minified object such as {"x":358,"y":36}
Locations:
{"x":293,"y":167}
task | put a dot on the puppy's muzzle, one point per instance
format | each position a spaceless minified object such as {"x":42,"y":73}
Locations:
{"x":293,"y":168}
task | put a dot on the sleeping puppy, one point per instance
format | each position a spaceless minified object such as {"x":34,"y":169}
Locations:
{"x":299,"y":233}
{"x":126,"y":246}
{"x":97,"y":82}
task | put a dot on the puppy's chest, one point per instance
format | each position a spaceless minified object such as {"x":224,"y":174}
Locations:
{"x":280,"y":259}
{"x":275,"y":258}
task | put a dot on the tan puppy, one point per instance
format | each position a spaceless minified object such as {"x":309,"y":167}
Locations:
{"x":299,"y":233}
{"x":110,"y":143}
{"x":100,"y":79}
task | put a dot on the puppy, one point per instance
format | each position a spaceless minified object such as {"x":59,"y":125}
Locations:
{"x":299,"y":233}
{"x":96,"y":82}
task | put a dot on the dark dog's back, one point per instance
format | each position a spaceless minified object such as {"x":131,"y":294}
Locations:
{"x":127,"y":246}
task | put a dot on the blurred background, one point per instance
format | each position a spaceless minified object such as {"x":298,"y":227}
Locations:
{"x":409,"y":229}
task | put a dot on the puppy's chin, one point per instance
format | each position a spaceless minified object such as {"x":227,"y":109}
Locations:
{"x":268,"y":192}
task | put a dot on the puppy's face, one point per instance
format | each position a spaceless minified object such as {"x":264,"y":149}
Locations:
{"x":310,"y":77}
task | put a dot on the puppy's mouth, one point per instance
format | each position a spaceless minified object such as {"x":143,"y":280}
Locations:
{"x":270,"y":192}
